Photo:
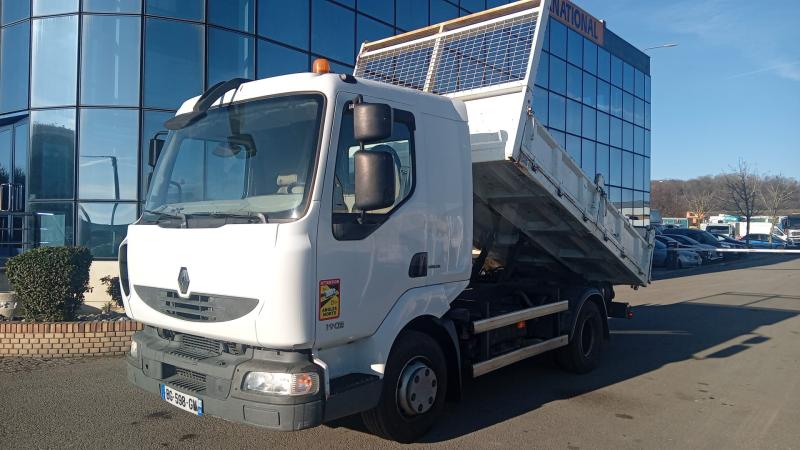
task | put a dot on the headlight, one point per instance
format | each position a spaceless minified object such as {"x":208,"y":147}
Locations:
{"x":305,"y":383}
{"x":134,"y":349}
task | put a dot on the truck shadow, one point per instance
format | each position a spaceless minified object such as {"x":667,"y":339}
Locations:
{"x":731,"y":263}
{"x":657,"y":336}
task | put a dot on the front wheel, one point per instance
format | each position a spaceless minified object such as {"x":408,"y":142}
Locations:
{"x":583,"y":353}
{"x":414,"y":389}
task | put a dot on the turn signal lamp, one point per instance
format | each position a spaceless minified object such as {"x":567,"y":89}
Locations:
{"x":321,"y":65}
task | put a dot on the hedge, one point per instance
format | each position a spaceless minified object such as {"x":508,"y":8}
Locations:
{"x":50,"y":281}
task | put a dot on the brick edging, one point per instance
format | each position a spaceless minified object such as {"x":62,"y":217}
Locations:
{"x":66,"y":339}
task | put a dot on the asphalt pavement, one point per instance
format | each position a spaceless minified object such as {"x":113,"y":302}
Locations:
{"x":711,"y":360}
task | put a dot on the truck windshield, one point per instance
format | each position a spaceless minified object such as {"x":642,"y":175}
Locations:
{"x":245,"y":160}
{"x":792,"y":222}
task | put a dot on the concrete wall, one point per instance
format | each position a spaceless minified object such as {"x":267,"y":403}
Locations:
{"x":97,"y":297}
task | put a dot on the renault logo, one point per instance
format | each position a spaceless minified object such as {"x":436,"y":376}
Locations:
{"x":183,"y":280}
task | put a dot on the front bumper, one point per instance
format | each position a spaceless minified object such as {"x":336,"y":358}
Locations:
{"x":216,"y":380}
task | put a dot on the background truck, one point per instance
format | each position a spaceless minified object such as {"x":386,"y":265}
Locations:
{"x":318,"y":245}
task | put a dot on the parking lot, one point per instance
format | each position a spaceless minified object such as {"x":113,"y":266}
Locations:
{"x":711,"y":360}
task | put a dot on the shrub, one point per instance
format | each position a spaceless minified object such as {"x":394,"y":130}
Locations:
{"x":50,"y":281}
{"x":112,"y":289}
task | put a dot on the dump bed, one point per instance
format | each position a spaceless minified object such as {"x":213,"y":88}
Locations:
{"x":520,"y":173}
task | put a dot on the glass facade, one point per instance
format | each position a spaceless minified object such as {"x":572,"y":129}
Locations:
{"x":84,"y":85}
{"x":596,"y":102}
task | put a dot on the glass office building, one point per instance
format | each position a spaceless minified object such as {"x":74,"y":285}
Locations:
{"x":84,"y":85}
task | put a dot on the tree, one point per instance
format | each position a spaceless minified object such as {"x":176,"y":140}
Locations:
{"x":701,"y":196}
{"x":776,"y":193}
{"x":743,"y":186}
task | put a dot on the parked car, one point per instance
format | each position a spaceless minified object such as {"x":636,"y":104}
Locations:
{"x":762,"y":241}
{"x":701,"y":236}
{"x":708,"y":252}
{"x":732,"y":243}
{"x":727,"y":229}
{"x":688,"y":258}
{"x":659,"y":254}
{"x":683,"y":257}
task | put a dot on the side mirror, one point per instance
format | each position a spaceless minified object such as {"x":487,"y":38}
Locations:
{"x":375,"y":180}
{"x":156,"y":145}
{"x":372,"y":122}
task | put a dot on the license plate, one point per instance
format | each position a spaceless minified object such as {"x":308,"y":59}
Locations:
{"x":183,"y":401}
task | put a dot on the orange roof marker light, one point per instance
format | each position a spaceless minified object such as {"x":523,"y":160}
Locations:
{"x":321,"y":65}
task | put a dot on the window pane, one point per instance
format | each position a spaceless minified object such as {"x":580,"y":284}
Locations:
{"x":49,"y":7}
{"x":173,"y":63}
{"x":589,"y":89}
{"x":6,"y":142}
{"x":627,"y":136}
{"x":602,"y":127}
{"x":471,"y":5}
{"x":543,"y":71}
{"x":275,"y":59}
{"x":627,"y":170}
{"x":108,"y":146}
{"x":647,"y":115}
{"x":627,"y":76}
{"x":560,"y":137}
{"x":442,"y":11}
{"x":14,"y":10}
{"x":589,"y":122}
{"x":574,"y":118}
{"x":152,"y":123}
{"x":602,"y":162}
{"x":412,"y":14}
{"x":558,"y":39}
{"x":647,"y":142}
{"x":103,"y":226}
{"x":558,"y":75}
{"x":616,"y":167}
{"x":52,"y":154}
{"x":557,"y":113}
{"x":574,"y":82}
{"x":616,"y":71}
{"x":371,"y":30}
{"x":639,"y":83}
{"x":54,"y":69}
{"x":574,"y":148}
{"x":284,"y":21}
{"x":110,"y":61}
{"x":574,"y":48}
{"x":647,"y":88}
{"x":333,"y":29}
{"x":540,"y":105}
{"x":627,"y":106}
{"x":647,"y":177}
{"x":21,"y":154}
{"x":55,"y":223}
{"x":235,"y":14}
{"x":616,"y":132}
{"x":587,"y":159}
{"x":589,"y":56}
{"x":113,"y":6}
{"x":638,"y":172}
{"x":638,"y":112}
{"x":616,"y":101}
{"x":545,"y":37}
{"x":603,"y":96}
{"x":638,"y":140}
{"x":603,"y":64}
{"x":14,"y":44}
{"x":181,"y":9}
{"x":230,"y":55}
{"x":381,"y":9}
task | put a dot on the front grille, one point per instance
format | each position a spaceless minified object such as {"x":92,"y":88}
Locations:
{"x":189,"y":380}
{"x":198,"y":347}
{"x":197,"y":307}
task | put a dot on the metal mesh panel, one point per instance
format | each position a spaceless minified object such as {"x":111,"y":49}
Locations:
{"x":493,"y":54}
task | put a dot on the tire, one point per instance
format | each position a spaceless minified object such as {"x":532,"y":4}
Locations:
{"x":586,"y":346}
{"x":412,"y":354}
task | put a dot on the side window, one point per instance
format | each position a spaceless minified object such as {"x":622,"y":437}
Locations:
{"x":348,"y":222}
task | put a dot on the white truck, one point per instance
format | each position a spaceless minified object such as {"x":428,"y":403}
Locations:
{"x":320,"y":245}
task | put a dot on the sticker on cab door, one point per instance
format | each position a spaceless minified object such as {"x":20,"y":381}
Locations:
{"x":330,"y":299}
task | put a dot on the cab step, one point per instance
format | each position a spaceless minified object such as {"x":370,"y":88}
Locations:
{"x":493,"y":323}
{"x":497,"y":362}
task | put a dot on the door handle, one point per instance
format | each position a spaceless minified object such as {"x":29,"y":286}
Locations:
{"x":419,"y":265}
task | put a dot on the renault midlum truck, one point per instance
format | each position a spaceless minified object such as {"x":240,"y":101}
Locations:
{"x":319,"y":245}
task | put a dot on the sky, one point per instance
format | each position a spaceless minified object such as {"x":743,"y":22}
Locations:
{"x":730,"y":90}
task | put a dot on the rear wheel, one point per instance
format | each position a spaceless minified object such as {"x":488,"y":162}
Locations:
{"x":414,"y":389}
{"x":583,"y":353}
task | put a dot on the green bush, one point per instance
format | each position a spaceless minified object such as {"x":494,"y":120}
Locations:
{"x":112,"y":289}
{"x":50,"y":281}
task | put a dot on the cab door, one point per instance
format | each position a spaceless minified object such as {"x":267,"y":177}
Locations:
{"x":367,"y":259}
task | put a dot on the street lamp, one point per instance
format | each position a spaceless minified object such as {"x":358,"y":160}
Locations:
{"x":661,"y":46}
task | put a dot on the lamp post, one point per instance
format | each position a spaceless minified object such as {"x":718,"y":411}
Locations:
{"x":661,"y":46}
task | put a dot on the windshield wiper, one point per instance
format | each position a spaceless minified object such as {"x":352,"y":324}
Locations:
{"x":249,"y":216}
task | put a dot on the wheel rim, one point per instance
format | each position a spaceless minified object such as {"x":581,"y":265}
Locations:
{"x":417,"y":388}
{"x":587,"y":338}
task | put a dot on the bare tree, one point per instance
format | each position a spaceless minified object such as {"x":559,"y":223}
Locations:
{"x":700,"y":196}
{"x":743,"y":192}
{"x":776,"y":193}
